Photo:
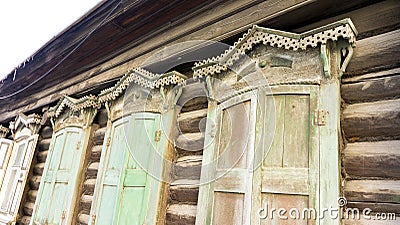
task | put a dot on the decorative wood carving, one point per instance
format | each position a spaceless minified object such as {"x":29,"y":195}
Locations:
{"x":3,"y":131}
{"x":25,"y":125}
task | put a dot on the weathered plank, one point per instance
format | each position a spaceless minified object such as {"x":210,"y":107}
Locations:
{"x":373,"y":221}
{"x":374,"y":120}
{"x":372,"y":89}
{"x":38,"y":168}
{"x":83,"y":218}
{"x":192,"y":122}
{"x":86,"y":202}
{"x":378,"y":191}
{"x":98,"y":136}
{"x":188,"y":167}
{"x":96,"y":153}
{"x":44,"y":144}
{"x":370,"y":20}
{"x":46,"y":132}
{"x":34,"y":182}
{"x":185,"y":191}
{"x":41,"y":156}
{"x":88,"y":186}
{"x":92,"y":170}
{"x":181,"y":214}
{"x":376,"y":206}
{"x":375,"y":53}
{"x":190,"y":142}
{"x":372,"y":159}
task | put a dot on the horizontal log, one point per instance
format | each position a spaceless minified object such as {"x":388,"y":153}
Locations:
{"x":44,"y":144}
{"x":377,"y":207}
{"x":372,"y":89}
{"x":192,"y":91}
{"x":185,"y":191}
{"x":370,"y":20}
{"x":86,"y":202}
{"x":34,"y":182}
{"x":102,"y":117}
{"x":25,"y":220}
{"x":41,"y":156}
{"x":194,"y":121}
{"x":375,"y":53}
{"x":191,"y":142}
{"x":374,"y":120}
{"x":46,"y":132}
{"x":32,"y":194}
{"x":188,"y":167}
{"x":373,"y":191}
{"x":98,"y":136}
{"x":195,"y":104}
{"x":92,"y":170}
{"x":88,"y":186}
{"x":96,"y":152}
{"x":28,"y":208}
{"x":372,"y":159}
{"x":181,"y":214}
{"x":38,"y":168}
{"x":83,"y":218}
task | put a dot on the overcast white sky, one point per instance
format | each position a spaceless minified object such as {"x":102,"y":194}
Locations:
{"x":26,"y":25}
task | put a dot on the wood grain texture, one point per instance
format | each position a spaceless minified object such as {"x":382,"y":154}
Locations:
{"x":372,"y":159}
{"x":375,"y":53}
{"x":374,"y":120}
{"x":378,"y":191}
{"x":386,"y":85}
{"x":192,"y":122}
{"x":181,"y":214}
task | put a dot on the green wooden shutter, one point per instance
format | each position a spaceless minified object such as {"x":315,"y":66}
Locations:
{"x":133,"y":199}
{"x":288,"y":177}
{"x":15,"y":178}
{"x":227,"y":163}
{"x":5,"y":153}
{"x":55,"y":201}
{"x":108,"y":177}
{"x":122,"y":187}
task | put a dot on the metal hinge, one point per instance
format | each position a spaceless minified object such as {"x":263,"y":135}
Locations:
{"x":108,"y":141}
{"x":320,"y":117}
{"x":63,"y":215}
{"x":157,"y":135}
{"x":93,"y":218}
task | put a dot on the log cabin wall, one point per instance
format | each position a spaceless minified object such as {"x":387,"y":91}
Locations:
{"x":35,"y":174}
{"x":92,"y":167}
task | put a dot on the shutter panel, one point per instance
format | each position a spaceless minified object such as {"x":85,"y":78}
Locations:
{"x":108,"y":177}
{"x":15,"y":178}
{"x":289,"y":172}
{"x":54,"y":204}
{"x":227,"y":163}
{"x":133,"y":199}
{"x":5,"y":153}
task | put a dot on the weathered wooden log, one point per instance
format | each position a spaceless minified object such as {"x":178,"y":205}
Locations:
{"x":375,"y":53}
{"x":98,"y":136}
{"x":88,"y":186}
{"x":188,"y":167}
{"x":32,"y":194}
{"x":373,"y":220}
{"x":44,"y":144}
{"x":372,"y":159}
{"x":377,"y":207}
{"x":41,"y":156}
{"x":92,"y":170}
{"x":181,"y":214}
{"x":28,"y":208}
{"x":102,"y":117}
{"x":96,"y":152}
{"x":38,"y":168}
{"x":373,"y":120}
{"x":372,"y":88}
{"x":370,"y":20}
{"x":25,"y":220}
{"x":190,"y":142}
{"x":185,"y":191}
{"x":34,"y":182}
{"x":46,"y":132}
{"x":83,"y":218}
{"x":373,"y":191}
{"x":86,"y":202}
{"x":192,"y":122}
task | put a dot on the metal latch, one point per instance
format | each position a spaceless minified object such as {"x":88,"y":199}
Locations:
{"x":157,"y":135}
{"x":320,"y":117}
